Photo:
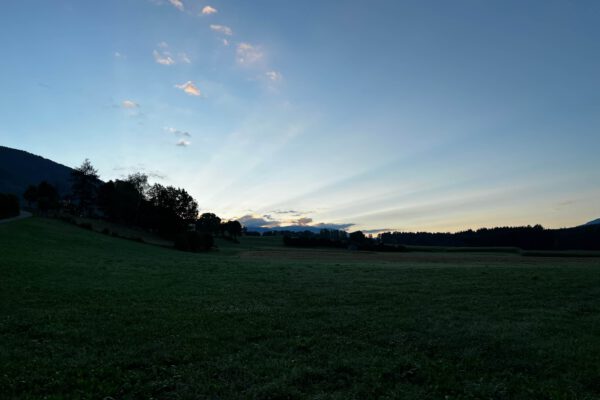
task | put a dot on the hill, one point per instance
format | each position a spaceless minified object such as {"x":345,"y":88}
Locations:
{"x":594,"y":222}
{"x":19,"y":169}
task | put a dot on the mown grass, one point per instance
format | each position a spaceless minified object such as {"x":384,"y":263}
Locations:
{"x":85,"y":315}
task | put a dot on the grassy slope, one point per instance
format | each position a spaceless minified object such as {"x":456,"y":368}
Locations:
{"x":83,"y":315}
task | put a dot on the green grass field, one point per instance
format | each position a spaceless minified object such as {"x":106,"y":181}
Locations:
{"x":85,"y":315}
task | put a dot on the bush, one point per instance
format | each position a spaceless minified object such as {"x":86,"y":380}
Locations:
{"x":194,"y":241}
{"x":68,"y":219}
{"x":9,"y":205}
{"x":86,"y":225}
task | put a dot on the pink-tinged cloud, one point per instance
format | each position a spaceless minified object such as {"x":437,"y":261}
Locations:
{"x":189,"y":88}
{"x":177,"y":4}
{"x":208,"y":10}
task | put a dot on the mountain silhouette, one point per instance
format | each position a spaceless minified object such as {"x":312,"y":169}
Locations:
{"x":594,"y":222}
{"x":19,"y":169}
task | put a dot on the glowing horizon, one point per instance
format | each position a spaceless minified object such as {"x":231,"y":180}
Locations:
{"x":392,"y":116}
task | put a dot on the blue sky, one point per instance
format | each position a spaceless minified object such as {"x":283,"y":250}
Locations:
{"x":407,"y":115}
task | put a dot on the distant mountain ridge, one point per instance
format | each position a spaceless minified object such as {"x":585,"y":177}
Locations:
{"x":19,"y":169}
{"x":594,"y":222}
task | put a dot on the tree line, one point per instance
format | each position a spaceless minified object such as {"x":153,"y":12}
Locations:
{"x":523,"y":237}
{"x":168,"y":211}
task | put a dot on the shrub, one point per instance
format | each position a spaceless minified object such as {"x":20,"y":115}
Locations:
{"x":86,"y":225}
{"x":194,"y":241}
{"x":68,"y":219}
{"x":9,"y":205}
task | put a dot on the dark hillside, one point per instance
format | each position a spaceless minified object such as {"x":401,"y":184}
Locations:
{"x":19,"y":169}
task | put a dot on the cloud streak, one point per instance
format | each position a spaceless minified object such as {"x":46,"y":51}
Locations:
{"x":177,"y":132}
{"x":177,"y":4}
{"x":184,"y":58}
{"x":225,"y":30}
{"x":129,"y":104}
{"x":248,"y":54}
{"x":189,"y":88}
{"x":274,"y":76}
{"x":163,"y":58}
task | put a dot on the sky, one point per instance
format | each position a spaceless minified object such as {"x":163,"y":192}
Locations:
{"x":372,"y":115}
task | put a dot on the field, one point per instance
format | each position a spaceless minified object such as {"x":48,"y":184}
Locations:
{"x":90,"y":316}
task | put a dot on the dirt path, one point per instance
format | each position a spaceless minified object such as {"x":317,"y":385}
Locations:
{"x":24,"y":214}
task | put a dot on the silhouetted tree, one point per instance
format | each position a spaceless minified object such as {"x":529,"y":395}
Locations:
{"x":47,"y":197}
{"x":9,"y":205}
{"x":357,"y":237}
{"x":208,"y":222}
{"x":119,"y":201}
{"x":232,"y":228}
{"x":30,"y":195}
{"x":173,"y":209}
{"x":140,"y":182}
{"x":84,"y":181}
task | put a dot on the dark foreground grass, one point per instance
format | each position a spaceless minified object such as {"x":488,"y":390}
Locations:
{"x":84,"y":315}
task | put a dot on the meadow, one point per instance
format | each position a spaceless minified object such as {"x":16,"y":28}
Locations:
{"x":89,"y":316}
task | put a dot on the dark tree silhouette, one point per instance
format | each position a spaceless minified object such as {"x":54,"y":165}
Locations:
{"x":119,"y":201}
{"x":209,"y":223}
{"x":140,"y":182}
{"x":47,"y":197}
{"x":9,"y":205}
{"x":31,"y":195}
{"x":357,"y":237}
{"x":84,"y":183}
{"x":232,"y":228}
{"x":173,"y":209}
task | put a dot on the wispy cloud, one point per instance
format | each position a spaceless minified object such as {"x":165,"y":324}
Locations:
{"x":177,"y":132}
{"x":177,"y":4}
{"x":225,"y":42}
{"x":129,"y":104}
{"x":189,"y":88}
{"x":163,"y":58}
{"x":295,"y":213}
{"x":184,"y":58}
{"x":209,"y":10}
{"x":248,"y":54}
{"x":139,"y":168}
{"x":119,"y":55}
{"x":183,"y":143}
{"x":225,"y":30}
{"x":274,"y":76}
